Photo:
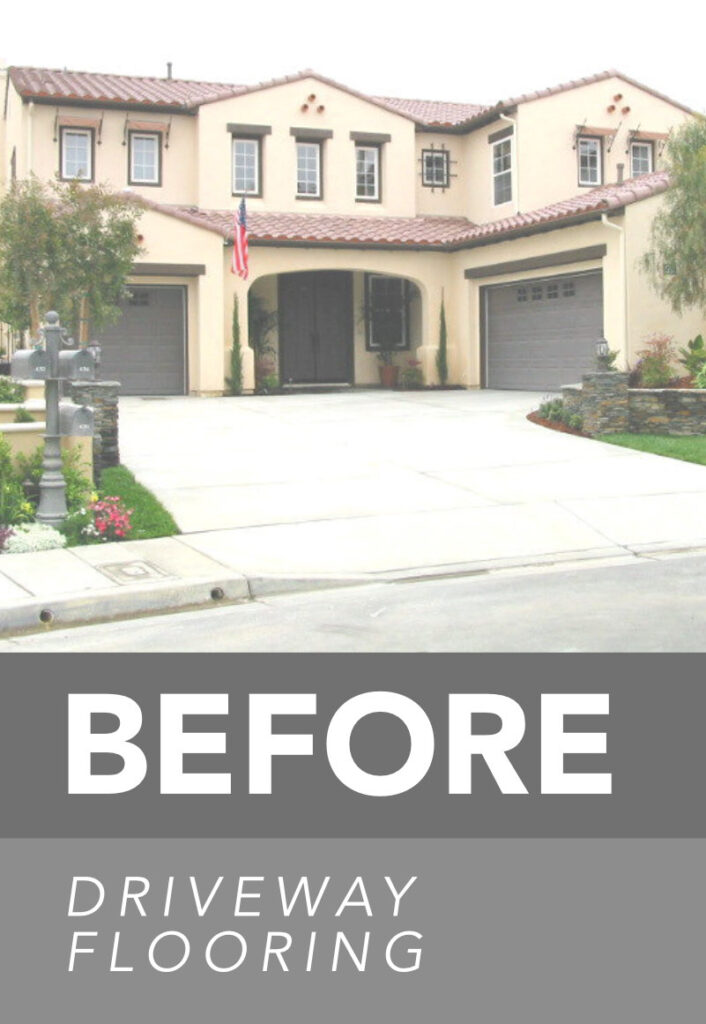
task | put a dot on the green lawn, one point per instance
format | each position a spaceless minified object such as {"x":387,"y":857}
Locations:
{"x":689,"y":449}
{"x":150,"y":518}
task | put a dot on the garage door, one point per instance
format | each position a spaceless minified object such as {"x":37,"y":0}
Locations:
{"x":542,"y":333}
{"x":144,"y":350}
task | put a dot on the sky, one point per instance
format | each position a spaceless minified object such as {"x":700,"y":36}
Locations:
{"x":470,"y":52}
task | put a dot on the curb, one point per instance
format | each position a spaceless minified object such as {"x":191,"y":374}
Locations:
{"x":164,"y":596}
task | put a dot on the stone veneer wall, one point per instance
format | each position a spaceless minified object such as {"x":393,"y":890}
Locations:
{"x":608,"y":406}
{"x":102,"y":395}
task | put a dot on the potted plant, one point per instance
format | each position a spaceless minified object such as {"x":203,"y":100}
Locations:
{"x":389,"y":371}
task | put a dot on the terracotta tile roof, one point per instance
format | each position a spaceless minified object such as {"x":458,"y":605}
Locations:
{"x":88,"y":87}
{"x":598,"y":200}
{"x":319,"y":228}
{"x":91,"y":87}
{"x":434,"y":112}
{"x":434,"y":233}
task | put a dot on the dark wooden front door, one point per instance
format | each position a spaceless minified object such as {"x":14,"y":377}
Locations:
{"x":316,"y":327}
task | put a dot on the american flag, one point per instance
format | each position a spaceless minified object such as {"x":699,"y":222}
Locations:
{"x":239,"y":263}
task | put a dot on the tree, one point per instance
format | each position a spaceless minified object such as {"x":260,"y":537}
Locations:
{"x":67,"y":247}
{"x":235,"y":381}
{"x":442,"y":365}
{"x":676,"y":261}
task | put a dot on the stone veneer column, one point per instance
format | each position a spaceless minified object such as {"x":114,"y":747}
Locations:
{"x":604,"y":403}
{"x":102,"y":396}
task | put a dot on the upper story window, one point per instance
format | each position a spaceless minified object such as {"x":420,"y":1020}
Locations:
{"x":590,"y":161}
{"x":641,"y":158}
{"x":246,"y":167}
{"x":502,"y":171}
{"x":435,"y":168}
{"x":76,"y":160}
{"x":309,"y":170}
{"x":367,"y":173}
{"x":145,"y":158}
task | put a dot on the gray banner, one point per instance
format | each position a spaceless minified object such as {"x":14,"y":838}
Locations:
{"x":655,"y":749}
{"x":557,"y":931}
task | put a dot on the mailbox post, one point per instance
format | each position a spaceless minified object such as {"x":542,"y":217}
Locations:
{"x":57,"y":361}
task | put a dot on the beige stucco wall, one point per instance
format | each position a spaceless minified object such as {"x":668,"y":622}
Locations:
{"x":648,"y":313}
{"x":167,"y":240}
{"x":280,"y":108}
{"x":454,"y":201}
{"x":546,"y":161}
{"x":36,"y":123}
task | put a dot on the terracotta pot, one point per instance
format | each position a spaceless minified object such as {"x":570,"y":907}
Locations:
{"x":388,"y":375}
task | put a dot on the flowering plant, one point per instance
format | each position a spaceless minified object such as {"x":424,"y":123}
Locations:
{"x":33,"y":537}
{"x":110,"y":520}
{"x":5,"y":533}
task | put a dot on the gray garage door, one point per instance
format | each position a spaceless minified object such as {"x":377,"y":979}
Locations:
{"x":144,"y":350}
{"x":542,"y":333}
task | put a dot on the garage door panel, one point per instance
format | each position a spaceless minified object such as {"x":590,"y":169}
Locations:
{"x":542,"y":333}
{"x":144,"y":350}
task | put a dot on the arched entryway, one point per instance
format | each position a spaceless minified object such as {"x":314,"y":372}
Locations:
{"x":332,"y":327}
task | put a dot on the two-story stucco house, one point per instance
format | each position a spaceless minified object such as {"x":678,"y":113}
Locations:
{"x":527,"y":218}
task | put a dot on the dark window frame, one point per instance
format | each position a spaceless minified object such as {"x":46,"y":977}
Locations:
{"x":244,"y":137}
{"x":318,"y":143}
{"x":371,"y":345}
{"x":136,"y":181}
{"x":506,"y":140}
{"x":91,"y":132}
{"x":650,"y":146}
{"x":378,"y":147}
{"x":601,"y":157}
{"x":444,"y":153}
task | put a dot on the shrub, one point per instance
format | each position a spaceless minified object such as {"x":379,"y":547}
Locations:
{"x":693,"y":357}
{"x":700,"y":378}
{"x":10,"y":391}
{"x":267,"y":384}
{"x":23,"y":415}
{"x":555,"y":411}
{"x":78,"y":485}
{"x":656,"y":362}
{"x":442,"y":365}
{"x":33,"y":537}
{"x":5,"y":533}
{"x":14,"y":507}
{"x":411,"y":375}
{"x":235,"y":380}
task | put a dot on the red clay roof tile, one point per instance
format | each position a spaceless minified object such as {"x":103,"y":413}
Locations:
{"x":434,"y":233}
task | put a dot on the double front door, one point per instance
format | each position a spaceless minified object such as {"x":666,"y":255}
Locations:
{"x":316,"y":327}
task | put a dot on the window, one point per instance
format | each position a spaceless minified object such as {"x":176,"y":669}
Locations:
{"x":367,"y":173}
{"x":537,"y":292}
{"x":246,"y":167}
{"x":77,"y":154}
{"x":502,"y":172}
{"x":640,"y":158}
{"x":568,"y":289}
{"x":435,"y":168}
{"x":522,"y":294}
{"x":387,"y":312}
{"x":589,"y":161}
{"x":309,"y":170}
{"x":145,"y":158}
{"x":553,"y":291}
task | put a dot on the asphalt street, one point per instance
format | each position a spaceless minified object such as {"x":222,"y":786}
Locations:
{"x":649,"y":604}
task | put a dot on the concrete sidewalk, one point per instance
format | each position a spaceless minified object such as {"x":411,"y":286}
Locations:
{"x":286,"y":492}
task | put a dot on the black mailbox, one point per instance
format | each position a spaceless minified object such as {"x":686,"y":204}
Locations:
{"x":76,"y":364}
{"x":30,"y":364}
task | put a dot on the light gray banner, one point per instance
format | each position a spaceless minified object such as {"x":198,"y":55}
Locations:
{"x":557,"y":931}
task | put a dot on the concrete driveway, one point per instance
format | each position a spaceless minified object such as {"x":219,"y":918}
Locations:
{"x":368,"y":482}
